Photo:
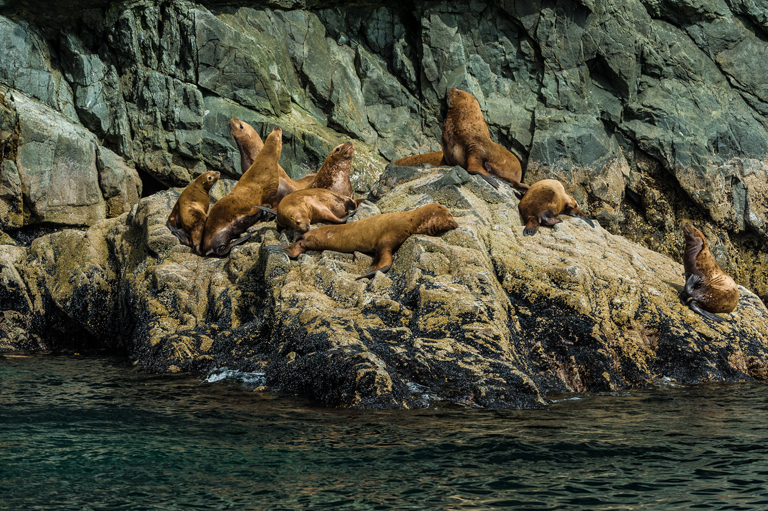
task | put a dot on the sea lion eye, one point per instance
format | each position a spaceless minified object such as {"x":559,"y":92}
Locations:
{"x":241,"y":127}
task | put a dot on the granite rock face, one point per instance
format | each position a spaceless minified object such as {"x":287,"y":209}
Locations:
{"x":480,"y":315}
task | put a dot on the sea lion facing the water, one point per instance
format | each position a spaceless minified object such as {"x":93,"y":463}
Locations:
{"x":380,"y":235}
{"x":467,"y":143}
{"x":708,"y":288}
{"x":249,"y":143}
{"x":543,"y":201}
{"x":234,"y":214}
{"x":187,"y":219}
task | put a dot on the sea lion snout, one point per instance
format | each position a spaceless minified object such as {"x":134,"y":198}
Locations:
{"x":346,"y":150}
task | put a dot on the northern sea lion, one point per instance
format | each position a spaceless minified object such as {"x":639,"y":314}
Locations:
{"x":334,"y":174}
{"x":467,"y":143}
{"x":249,"y":143}
{"x":304,"y":207}
{"x":187,"y":219}
{"x":708,"y":288}
{"x":380,"y":235}
{"x":543,"y":201}
{"x":234,"y":214}
{"x":436,"y":159}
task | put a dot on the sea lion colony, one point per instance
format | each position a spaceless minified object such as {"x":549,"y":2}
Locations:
{"x":265,"y":190}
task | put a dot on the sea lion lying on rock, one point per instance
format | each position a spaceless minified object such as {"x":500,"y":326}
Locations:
{"x":543,"y":201}
{"x":467,"y":143}
{"x":249,"y":143}
{"x":708,"y":288}
{"x":436,"y":159}
{"x":234,"y":214}
{"x":379,"y":235}
{"x":300,"y":209}
{"x":187,"y":219}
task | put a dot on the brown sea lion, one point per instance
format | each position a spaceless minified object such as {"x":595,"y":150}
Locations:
{"x":234,"y":214}
{"x":543,"y":201}
{"x":379,"y":235}
{"x":334,"y":174}
{"x":304,"y":207}
{"x":188,"y":216}
{"x":467,"y":143}
{"x":708,"y":288}
{"x":249,"y":143}
{"x":436,"y":159}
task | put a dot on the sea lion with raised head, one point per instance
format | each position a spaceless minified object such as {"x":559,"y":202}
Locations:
{"x":187,"y":218}
{"x":543,"y":201}
{"x":436,"y":159}
{"x":467,"y":143}
{"x":304,"y":207}
{"x":708,"y":289}
{"x":249,"y":143}
{"x":334,"y":174}
{"x":379,"y":235}
{"x":235,"y":213}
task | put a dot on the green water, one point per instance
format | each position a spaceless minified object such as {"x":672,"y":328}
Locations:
{"x":93,"y":433}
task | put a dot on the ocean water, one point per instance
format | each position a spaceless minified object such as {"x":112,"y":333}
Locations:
{"x":88,"y":433}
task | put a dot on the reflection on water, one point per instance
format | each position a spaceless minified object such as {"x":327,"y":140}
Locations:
{"x":92,"y":433}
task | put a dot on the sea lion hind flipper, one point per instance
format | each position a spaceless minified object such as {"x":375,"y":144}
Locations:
{"x":589,"y":222}
{"x":372,"y":274}
{"x":183,"y":237}
{"x":490,"y":179}
{"x":712,"y":317}
{"x":267,"y":210}
{"x":692,"y":283}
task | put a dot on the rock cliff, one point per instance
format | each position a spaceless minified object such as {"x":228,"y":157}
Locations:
{"x":652,"y":113}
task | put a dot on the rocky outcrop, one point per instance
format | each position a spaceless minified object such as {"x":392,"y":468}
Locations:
{"x":481,"y":315}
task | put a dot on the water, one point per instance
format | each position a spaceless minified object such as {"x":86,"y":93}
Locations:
{"x":90,"y":433}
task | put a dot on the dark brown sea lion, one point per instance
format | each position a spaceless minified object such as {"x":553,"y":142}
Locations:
{"x":379,"y":235}
{"x":234,"y":214}
{"x":435,"y":159}
{"x":467,"y":143}
{"x":249,"y":143}
{"x":708,"y":288}
{"x":334,"y":174}
{"x":188,"y":216}
{"x":543,"y":201}
{"x":304,"y":207}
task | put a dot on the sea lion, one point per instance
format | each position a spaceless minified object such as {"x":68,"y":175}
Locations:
{"x":467,"y":143}
{"x":249,"y":143}
{"x":436,"y":159}
{"x":543,"y":201}
{"x":234,"y":214}
{"x":188,"y":216}
{"x":380,"y":235}
{"x":304,"y":207}
{"x":334,"y":174}
{"x":708,"y":288}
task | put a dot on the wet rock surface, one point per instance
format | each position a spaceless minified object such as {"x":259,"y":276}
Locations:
{"x":480,"y":315}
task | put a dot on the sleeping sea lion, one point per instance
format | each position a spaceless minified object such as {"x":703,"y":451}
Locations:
{"x":543,"y":201}
{"x":334,"y":174}
{"x":435,"y":159}
{"x":380,"y":235}
{"x":708,"y":288}
{"x":304,"y":207}
{"x":188,"y":216}
{"x":249,"y":143}
{"x":234,"y":214}
{"x":467,"y":143}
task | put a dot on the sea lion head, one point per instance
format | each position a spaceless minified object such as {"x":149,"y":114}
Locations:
{"x":344,"y":151}
{"x":300,"y":222}
{"x":458,"y":97}
{"x":435,"y":219}
{"x":691,"y":233}
{"x":208,"y":179}
{"x":241,"y":130}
